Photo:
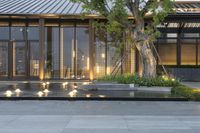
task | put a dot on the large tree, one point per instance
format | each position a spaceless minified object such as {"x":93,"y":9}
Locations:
{"x":137,"y":18}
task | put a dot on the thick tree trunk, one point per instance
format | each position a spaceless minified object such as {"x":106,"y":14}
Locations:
{"x":143,"y":46}
{"x":148,"y":61}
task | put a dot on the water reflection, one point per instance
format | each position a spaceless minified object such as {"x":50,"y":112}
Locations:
{"x":71,"y":90}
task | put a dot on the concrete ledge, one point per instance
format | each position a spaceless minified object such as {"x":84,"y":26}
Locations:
{"x":154,"y":89}
{"x":95,"y":98}
{"x":123,"y":87}
{"x":108,"y":86}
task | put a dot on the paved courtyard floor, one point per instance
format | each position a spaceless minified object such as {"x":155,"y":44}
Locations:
{"x":99,"y":117}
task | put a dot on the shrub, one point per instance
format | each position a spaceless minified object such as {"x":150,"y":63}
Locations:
{"x":185,"y":91}
{"x":135,"y":79}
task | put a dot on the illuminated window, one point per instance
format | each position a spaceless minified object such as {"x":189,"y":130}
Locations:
{"x":167,"y":54}
{"x":188,"y":54}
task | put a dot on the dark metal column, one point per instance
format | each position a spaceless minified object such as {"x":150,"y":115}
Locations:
{"x":181,"y":25}
{"x":91,"y":48}
{"x":10,"y":54}
{"x":42,"y":48}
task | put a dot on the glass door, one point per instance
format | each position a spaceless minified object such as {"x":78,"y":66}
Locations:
{"x":67,"y":53}
{"x":34,"y":58}
{"x":82,"y":53}
{"x":3,"y":59}
{"x":19,"y":58}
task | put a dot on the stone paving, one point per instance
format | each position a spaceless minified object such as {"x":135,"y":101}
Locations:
{"x":99,"y":117}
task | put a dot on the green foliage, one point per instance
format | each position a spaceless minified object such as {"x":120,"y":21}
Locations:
{"x":141,"y":81}
{"x":117,"y":16}
{"x":185,"y":91}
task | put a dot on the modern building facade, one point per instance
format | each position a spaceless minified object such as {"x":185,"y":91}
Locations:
{"x":48,"y":39}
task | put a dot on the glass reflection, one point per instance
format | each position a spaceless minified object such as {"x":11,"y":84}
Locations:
{"x":19,"y":58}
{"x":4,"y":33}
{"x":18,"y":33}
{"x":34,"y":58}
{"x":52,"y":52}
{"x":82,"y":49}
{"x":3,"y":58}
{"x":67,"y":52}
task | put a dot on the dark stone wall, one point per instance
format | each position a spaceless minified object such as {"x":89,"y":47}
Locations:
{"x":185,"y":74}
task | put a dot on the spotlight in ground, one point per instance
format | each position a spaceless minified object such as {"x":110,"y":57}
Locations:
{"x":46,"y":91}
{"x":40,"y":93}
{"x":18,"y":91}
{"x":8,"y":93}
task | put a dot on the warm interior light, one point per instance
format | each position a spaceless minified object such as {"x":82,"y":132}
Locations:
{"x":88,"y":63}
{"x":103,"y":55}
{"x":108,"y":70}
{"x":48,"y":83}
{"x":98,"y":69}
{"x":8,"y":93}
{"x":44,"y":85}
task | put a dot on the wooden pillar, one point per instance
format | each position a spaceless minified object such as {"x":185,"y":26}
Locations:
{"x":91,"y":49}
{"x":42,"y":48}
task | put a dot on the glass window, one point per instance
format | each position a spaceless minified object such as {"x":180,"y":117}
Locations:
{"x":191,"y":35}
{"x":19,"y":58}
{"x":3,"y":58}
{"x":4,"y":33}
{"x":67,"y":52}
{"x":52,"y":52}
{"x":188,"y":54}
{"x":113,"y":56}
{"x":18,"y":33}
{"x":167,"y":53}
{"x":82,"y":52}
{"x":199,"y":53}
{"x":33,"y":33}
{"x":172,"y":35}
{"x":100,"y":58}
{"x":34,"y":58}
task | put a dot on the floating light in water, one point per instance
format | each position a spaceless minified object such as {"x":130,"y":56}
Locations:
{"x":75,"y":91}
{"x":85,"y":83}
{"x":8,"y":93}
{"x":43,"y":84}
{"x":64,"y":84}
{"x":18,"y":91}
{"x":102,"y":96}
{"x":88,"y":95}
{"x":40,"y":93}
{"x":71,"y":94}
{"x":46,"y":91}
{"x":75,"y":86}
